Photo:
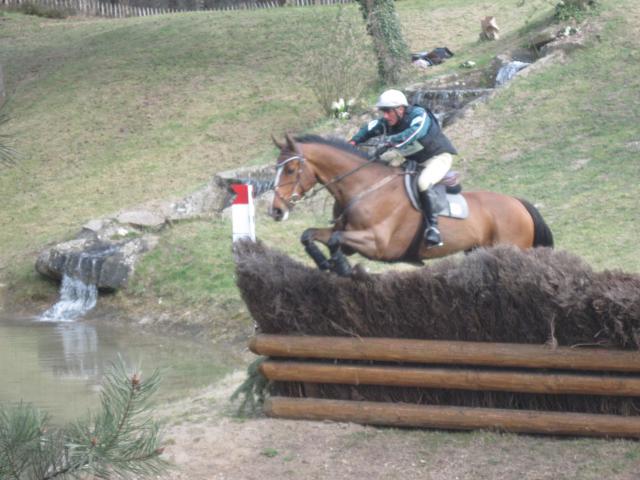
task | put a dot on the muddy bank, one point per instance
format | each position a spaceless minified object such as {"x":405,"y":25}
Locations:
{"x":206,"y":441}
{"x":229,"y":322}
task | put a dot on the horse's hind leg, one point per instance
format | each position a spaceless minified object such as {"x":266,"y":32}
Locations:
{"x":312,"y":249}
{"x":338,"y":260}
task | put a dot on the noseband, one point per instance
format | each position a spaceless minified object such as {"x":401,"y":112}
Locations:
{"x":295,"y":197}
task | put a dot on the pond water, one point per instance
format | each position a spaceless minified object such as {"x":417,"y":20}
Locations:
{"x":59,"y":366}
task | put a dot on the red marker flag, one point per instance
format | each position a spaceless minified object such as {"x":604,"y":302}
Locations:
{"x":243,"y":212}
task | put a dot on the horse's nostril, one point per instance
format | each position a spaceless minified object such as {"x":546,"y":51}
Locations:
{"x":276,"y":213}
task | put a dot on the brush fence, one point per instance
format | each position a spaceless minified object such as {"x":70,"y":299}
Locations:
{"x":499,"y":367}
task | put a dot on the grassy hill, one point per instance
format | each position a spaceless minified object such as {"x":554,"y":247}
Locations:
{"x":110,"y":113}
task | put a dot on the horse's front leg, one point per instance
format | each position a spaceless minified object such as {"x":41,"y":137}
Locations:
{"x":361,"y":241}
{"x":364,"y":242}
{"x":338,"y":260}
{"x":308,"y":239}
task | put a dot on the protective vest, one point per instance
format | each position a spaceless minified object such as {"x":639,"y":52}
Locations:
{"x":434,"y":142}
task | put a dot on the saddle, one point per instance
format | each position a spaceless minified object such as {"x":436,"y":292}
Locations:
{"x":450,"y":202}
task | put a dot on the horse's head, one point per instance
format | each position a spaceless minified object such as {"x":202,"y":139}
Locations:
{"x":294,"y":177}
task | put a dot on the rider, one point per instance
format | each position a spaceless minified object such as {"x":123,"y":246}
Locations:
{"x":417,"y":135}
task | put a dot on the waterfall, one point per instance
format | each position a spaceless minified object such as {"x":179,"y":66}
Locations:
{"x":76,"y":299}
{"x":79,"y":291}
{"x":508,"y":71}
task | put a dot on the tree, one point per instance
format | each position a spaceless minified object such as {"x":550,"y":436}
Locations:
{"x":389,"y":45}
{"x":119,"y":441}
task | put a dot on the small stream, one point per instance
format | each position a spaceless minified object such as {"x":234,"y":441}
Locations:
{"x":58,"y":366}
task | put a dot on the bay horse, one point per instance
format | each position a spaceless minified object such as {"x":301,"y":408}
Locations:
{"x":373,"y":215}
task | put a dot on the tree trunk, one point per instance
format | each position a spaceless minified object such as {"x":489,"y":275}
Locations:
{"x":390,"y":48}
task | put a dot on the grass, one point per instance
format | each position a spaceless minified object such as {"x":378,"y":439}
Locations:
{"x":573,"y":125}
{"x":197,"y":269}
{"x":113,"y":113}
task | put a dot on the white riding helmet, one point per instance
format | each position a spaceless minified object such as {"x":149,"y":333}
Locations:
{"x":392,"y":99}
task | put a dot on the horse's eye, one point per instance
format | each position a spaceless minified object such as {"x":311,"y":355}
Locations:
{"x":289,"y":170}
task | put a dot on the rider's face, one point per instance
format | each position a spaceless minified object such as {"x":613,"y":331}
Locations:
{"x":393,"y":115}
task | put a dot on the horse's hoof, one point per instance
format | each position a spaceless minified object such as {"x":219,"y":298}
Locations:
{"x":360,"y":273}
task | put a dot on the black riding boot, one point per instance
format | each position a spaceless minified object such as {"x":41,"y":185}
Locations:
{"x":432,"y":235}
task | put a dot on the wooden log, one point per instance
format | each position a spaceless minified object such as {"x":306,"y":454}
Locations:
{"x":3,"y":94}
{"x":446,"y":352}
{"x":458,"y":418}
{"x":449,"y":378}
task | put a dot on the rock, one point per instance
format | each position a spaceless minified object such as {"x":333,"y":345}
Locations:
{"x":108,"y":265}
{"x":542,"y":38}
{"x":95,"y":225}
{"x":447,"y":104}
{"x":500,"y":61}
{"x":497,"y":63}
{"x":51,"y":262}
{"x":142,"y":218}
{"x":118,"y":267}
{"x":564,"y":45}
{"x":202,"y":203}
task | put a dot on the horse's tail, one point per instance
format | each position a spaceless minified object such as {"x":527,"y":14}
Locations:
{"x":542,"y":236}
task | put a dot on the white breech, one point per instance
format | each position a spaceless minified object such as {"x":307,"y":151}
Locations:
{"x":434,"y":170}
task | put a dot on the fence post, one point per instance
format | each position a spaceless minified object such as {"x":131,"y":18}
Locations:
{"x":243,"y":213}
{"x":3,"y":92}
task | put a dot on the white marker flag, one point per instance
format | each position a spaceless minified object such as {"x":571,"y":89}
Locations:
{"x":243,"y":212}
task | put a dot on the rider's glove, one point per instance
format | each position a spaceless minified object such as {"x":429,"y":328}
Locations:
{"x":382,"y":148}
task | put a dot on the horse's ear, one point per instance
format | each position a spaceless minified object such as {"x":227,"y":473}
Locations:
{"x":277,"y":143}
{"x":291,"y":143}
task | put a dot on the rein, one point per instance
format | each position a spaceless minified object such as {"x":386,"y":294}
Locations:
{"x":315,"y":190}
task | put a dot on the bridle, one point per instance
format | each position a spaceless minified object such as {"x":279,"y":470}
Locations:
{"x":298,"y":197}
{"x":295,"y":197}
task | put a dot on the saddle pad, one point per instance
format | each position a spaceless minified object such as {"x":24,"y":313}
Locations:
{"x":448,"y":205}
{"x":456,"y":207}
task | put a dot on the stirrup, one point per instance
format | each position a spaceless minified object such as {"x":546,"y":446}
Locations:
{"x":436,"y":237}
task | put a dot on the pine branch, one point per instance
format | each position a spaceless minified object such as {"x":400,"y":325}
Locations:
{"x":254,"y":388}
{"x":119,"y":441}
{"x":20,"y":430}
{"x":121,"y":436}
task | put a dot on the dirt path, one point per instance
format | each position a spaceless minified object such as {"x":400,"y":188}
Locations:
{"x":206,"y":441}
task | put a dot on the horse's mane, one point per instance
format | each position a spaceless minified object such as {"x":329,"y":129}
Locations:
{"x":332,"y":142}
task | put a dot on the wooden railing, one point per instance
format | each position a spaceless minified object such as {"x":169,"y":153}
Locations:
{"x":450,"y":366}
{"x":101,"y":9}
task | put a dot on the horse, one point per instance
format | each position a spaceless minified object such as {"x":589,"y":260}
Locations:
{"x":373,"y":215}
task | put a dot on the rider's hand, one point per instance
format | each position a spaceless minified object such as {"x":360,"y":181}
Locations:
{"x":386,"y":143}
{"x":382,"y":148}
{"x":352,"y":142}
